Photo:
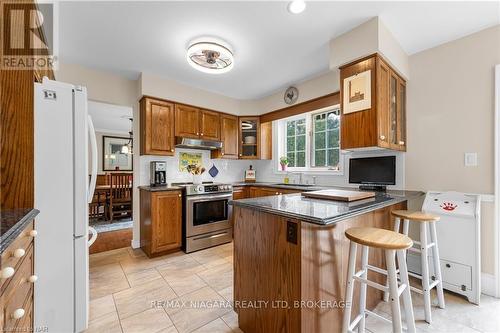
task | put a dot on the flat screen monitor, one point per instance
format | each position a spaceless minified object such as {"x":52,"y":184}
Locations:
{"x":373,"y":170}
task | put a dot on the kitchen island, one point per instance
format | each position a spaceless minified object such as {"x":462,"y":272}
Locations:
{"x":290,"y":259}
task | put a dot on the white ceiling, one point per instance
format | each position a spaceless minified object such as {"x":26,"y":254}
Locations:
{"x":110,"y":118}
{"x":272,"y":47}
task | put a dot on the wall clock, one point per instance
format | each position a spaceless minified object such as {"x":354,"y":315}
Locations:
{"x":291,"y":95}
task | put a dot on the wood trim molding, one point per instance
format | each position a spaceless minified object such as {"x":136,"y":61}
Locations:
{"x":307,"y":106}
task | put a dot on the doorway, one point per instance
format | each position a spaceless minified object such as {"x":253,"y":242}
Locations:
{"x":111,"y":209}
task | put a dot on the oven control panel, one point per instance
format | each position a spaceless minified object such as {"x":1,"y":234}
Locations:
{"x":212,"y":188}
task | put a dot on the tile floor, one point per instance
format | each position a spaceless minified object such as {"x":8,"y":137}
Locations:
{"x":132,"y":293}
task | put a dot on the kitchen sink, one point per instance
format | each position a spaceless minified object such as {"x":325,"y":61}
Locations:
{"x":295,"y":185}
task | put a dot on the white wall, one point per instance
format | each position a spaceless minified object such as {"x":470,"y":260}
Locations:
{"x":450,"y":112}
{"x":368,"y":38}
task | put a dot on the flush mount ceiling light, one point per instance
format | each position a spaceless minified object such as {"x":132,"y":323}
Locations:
{"x":297,"y":6}
{"x":210,"y":57}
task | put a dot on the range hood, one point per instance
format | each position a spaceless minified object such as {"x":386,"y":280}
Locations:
{"x":182,"y":142}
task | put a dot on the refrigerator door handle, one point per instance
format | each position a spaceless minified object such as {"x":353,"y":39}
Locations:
{"x":93,"y":148}
{"x":94,"y":236}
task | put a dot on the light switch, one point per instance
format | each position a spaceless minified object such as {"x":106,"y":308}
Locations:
{"x":470,"y":159}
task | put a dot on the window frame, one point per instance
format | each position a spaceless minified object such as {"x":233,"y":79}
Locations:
{"x":313,"y":141}
{"x":282,"y":149}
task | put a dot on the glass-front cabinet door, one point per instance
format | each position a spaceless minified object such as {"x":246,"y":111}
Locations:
{"x":249,"y":137}
{"x":402,"y":114}
{"x":393,"y":111}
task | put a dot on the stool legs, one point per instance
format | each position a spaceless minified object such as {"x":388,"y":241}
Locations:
{"x":350,"y":287}
{"x":425,"y":272}
{"x":390,"y":259}
{"x":362,"y":294}
{"x":410,"y":318}
{"x":437,"y":266}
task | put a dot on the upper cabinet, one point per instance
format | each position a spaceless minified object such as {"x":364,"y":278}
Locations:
{"x":228,"y":136}
{"x":382,"y":121}
{"x":191,"y":122}
{"x":209,"y":125}
{"x":242,"y":137}
{"x":187,"y":121}
{"x":157,"y":127}
{"x":255,"y":138}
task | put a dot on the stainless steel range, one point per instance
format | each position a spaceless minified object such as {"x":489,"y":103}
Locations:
{"x":207,"y":216}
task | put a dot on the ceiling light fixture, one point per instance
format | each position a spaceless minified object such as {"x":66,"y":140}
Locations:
{"x":210,"y":57}
{"x":297,"y":6}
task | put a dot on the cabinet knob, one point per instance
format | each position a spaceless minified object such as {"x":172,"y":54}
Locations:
{"x":7,"y":272}
{"x":18,"y":313}
{"x":222,"y":154}
{"x":172,"y":150}
{"x":382,"y":137}
{"x":33,"y":233}
{"x":277,"y":193}
{"x":201,"y":134}
{"x":180,"y":195}
{"x":33,"y":278}
{"x":241,"y":155}
{"x":19,"y":253}
{"x":401,"y":143}
{"x":197,"y":133}
{"x":281,"y":193}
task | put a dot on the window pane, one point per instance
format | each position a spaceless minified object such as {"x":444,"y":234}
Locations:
{"x":290,"y":144}
{"x":290,"y":128}
{"x":319,"y":140}
{"x":333,"y":120}
{"x":301,"y":142}
{"x":301,"y":159}
{"x":301,"y":126}
{"x":333,"y":138}
{"x":319,"y":158}
{"x":291,"y":159}
{"x":319,"y":122}
{"x":333,"y":157}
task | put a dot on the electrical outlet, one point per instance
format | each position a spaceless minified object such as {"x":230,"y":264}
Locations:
{"x":470,"y":159}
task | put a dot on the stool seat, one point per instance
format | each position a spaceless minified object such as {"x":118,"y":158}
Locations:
{"x":379,"y":238}
{"x":415,"y":216}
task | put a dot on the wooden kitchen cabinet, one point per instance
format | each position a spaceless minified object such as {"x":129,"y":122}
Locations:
{"x":384,"y":124}
{"x":187,"y":121}
{"x":257,"y":191}
{"x":191,"y":122}
{"x":16,"y":292}
{"x":157,"y":127}
{"x":161,"y":222}
{"x":240,"y":193}
{"x":255,"y":138}
{"x":228,"y":136}
{"x":209,"y":125}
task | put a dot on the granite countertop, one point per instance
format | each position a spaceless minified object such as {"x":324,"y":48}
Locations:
{"x":167,"y":187}
{"x":323,"y":211}
{"x":12,"y":223}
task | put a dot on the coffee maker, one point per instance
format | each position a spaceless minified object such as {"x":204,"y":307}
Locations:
{"x":158,"y":173}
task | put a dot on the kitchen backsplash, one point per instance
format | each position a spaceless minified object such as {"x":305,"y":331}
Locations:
{"x":234,"y":170}
{"x":229,"y":170}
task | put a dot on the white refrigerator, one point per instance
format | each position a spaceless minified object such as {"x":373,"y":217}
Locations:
{"x":63,"y":188}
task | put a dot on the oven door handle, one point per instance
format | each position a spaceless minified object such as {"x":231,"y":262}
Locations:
{"x":202,"y":198}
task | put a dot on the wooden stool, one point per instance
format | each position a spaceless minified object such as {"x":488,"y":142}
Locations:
{"x":425,"y":220}
{"x":393,"y":244}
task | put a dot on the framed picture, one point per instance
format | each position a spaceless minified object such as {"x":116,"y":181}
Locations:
{"x":357,"y":94}
{"x":114,"y":156}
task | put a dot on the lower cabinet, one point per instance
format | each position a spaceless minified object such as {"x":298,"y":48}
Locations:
{"x":256,"y":191}
{"x":161,"y":222}
{"x":16,"y":291}
{"x":240,"y":193}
